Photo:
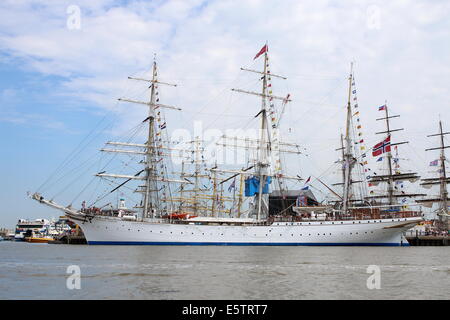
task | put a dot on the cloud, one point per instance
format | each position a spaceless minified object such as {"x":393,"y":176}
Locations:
{"x":201,"y":45}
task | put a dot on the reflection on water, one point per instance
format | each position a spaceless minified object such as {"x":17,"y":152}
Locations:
{"x":38,"y":271}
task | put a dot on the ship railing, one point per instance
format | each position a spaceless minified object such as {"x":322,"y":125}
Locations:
{"x":342,"y":217}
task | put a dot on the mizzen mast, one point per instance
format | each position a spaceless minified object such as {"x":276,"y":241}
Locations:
{"x":349,"y":159}
{"x":391,"y":177}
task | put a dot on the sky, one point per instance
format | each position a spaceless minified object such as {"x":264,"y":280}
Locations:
{"x":64,"y":64}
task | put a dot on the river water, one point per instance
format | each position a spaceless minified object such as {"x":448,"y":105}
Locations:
{"x":39,"y":271}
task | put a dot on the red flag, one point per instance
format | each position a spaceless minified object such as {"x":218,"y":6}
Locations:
{"x":309,"y":179}
{"x":382,"y":147}
{"x":263,"y":50}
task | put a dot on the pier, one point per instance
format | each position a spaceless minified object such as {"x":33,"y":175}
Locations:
{"x":425,"y":239}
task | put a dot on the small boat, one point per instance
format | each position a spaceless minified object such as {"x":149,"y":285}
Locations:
{"x":43,"y":239}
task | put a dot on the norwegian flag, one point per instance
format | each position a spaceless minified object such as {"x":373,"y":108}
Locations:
{"x":382,"y":147}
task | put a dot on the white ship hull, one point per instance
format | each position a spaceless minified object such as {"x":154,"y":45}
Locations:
{"x":102,"y":230}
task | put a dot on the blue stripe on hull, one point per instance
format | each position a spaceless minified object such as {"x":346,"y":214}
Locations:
{"x":138,"y":243}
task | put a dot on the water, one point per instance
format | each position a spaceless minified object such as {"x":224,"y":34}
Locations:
{"x":38,"y":271}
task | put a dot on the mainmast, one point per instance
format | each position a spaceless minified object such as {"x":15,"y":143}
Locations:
{"x":261,"y":204}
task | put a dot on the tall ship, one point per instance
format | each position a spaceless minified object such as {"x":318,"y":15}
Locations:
{"x":191,"y":207}
{"x":442,"y":210}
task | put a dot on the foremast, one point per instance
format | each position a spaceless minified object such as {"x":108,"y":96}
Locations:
{"x":154,"y":182}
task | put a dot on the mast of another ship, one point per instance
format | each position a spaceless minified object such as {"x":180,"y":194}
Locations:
{"x":443,"y":185}
{"x":442,"y":180}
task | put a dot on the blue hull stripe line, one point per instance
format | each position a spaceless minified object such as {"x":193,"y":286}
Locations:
{"x":136,"y":243}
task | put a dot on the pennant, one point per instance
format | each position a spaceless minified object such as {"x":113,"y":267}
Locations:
{"x":434,"y":163}
{"x":382,"y":147}
{"x":379,"y":159}
{"x":305,"y":188}
{"x":309,"y":179}
{"x":163,"y":126}
{"x":232,"y":186}
{"x":383,"y":107}
{"x":356,"y":113}
{"x":263,"y":50}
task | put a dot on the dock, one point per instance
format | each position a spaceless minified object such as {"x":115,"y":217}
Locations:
{"x":69,"y":239}
{"x":431,"y":240}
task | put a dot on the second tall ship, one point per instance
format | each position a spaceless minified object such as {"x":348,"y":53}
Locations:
{"x":181,"y":210}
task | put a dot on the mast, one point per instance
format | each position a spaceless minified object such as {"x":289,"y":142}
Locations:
{"x":261,"y":205}
{"x":262,"y":164}
{"x":152,"y":153}
{"x":391,"y":177}
{"x":443,"y":185}
{"x":149,"y":165}
{"x":442,"y":181}
{"x":389,"y":156}
{"x":347,"y":152}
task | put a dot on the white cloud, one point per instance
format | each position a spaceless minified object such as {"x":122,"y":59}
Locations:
{"x":201,"y":45}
